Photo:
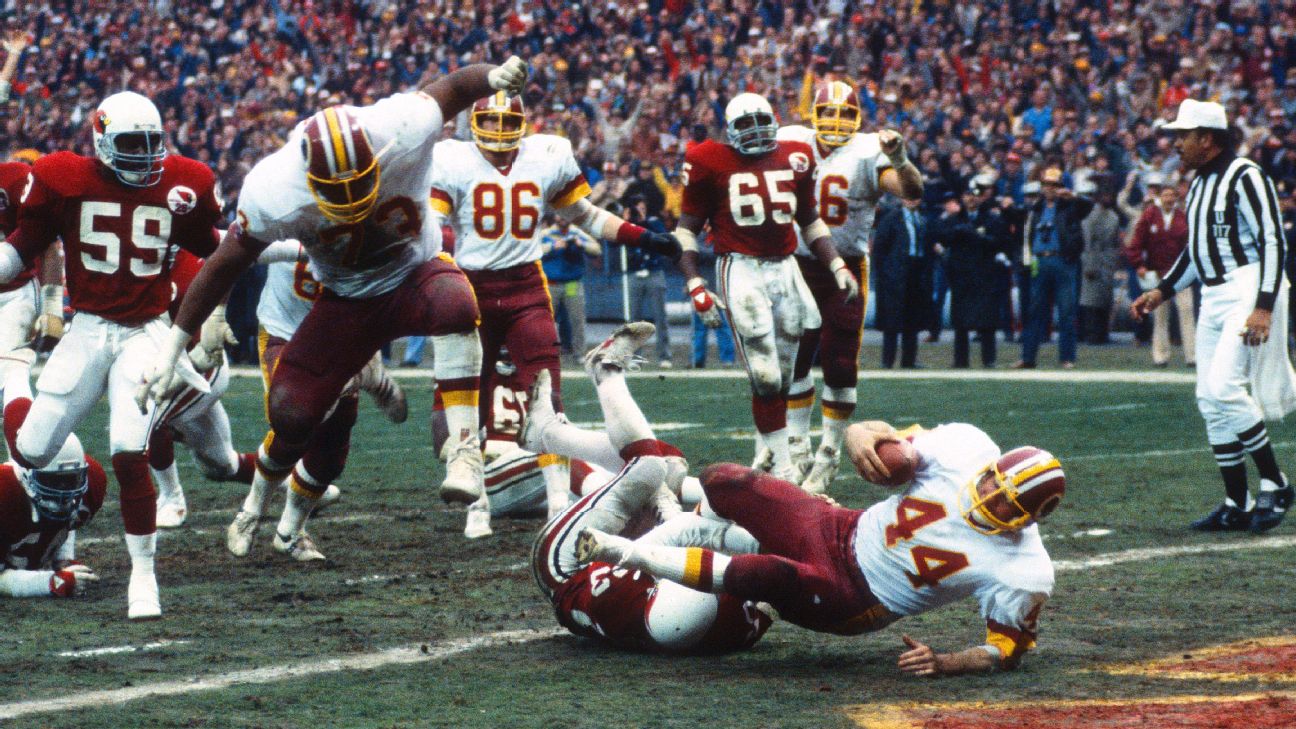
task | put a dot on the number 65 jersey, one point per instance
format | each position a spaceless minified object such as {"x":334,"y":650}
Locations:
{"x":918,"y":552}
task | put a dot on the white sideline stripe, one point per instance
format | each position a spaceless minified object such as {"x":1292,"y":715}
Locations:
{"x":270,"y":674}
{"x":1150,"y":553}
{"x":1131,"y":376}
{"x":1159,"y":453}
{"x":112,"y":650}
{"x":185,"y":531}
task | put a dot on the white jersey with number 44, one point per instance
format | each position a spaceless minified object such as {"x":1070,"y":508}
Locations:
{"x":846,"y":187}
{"x":918,"y":552}
{"x":496,"y":212}
{"x":374,"y":256}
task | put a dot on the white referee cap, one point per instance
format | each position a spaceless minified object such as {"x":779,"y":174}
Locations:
{"x":1199,"y":115}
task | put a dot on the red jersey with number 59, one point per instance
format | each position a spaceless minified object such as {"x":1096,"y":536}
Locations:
{"x":119,"y":242}
{"x":754,"y":204}
{"x":30,"y":544}
{"x":13,"y":180}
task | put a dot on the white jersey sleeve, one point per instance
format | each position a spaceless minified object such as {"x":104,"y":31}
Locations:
{"x":286,"y":298}
{"x":846,"y":188}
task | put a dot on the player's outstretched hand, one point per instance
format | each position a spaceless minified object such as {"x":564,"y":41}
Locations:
{"x":845,"y":279}
{"x":705,"y":302}
{"x":215,"y":334}
{"x":72,"y":580}
{"x":509,"y":76}
{"x":919,"y":660}
{"x":663,"y":244}
{"x":162,"y":377}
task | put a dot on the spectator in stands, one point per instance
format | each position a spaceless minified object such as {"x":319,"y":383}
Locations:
{"x":903,"y":254}
{"x":565,"y":248}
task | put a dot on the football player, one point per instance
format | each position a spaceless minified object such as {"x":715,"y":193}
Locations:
{"x":351,"y":184}
{"x":852,"y":170}
{"x":756,"y":191}
{"x":494,"y":192}
{"x":20,"y":301}
{"x":965,"y":526}
{"x":122,"y":215}
{"x":40,"y":511}
{"x":628,"y":608}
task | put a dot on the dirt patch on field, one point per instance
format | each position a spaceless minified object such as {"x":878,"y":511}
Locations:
{"x":1270,"y":712}
{"x":1262,"y":660}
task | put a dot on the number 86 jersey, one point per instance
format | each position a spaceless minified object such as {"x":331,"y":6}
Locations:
{"x":918,"y":552}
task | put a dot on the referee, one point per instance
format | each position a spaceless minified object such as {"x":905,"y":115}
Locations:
{"x":1235,"y":248}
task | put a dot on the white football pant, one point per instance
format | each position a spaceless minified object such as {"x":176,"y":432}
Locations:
{"x":203,"y":424}
{"x":770,"y":307}
{"x":18,"y":309}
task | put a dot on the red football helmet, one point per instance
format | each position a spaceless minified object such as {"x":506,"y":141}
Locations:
{"x":509,"y":119}
{"x":341,"y":165}
{"x":835,"y":114}
{"x":1031,"y":481}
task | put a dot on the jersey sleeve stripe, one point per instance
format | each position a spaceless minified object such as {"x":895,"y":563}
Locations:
{"x":441,"y":202}
{"x":575,"y":190}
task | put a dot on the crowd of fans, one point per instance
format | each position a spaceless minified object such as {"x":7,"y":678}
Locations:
{"x":1001,"y":90}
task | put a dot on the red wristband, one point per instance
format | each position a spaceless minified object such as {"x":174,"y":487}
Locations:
{"x":628,"y":234}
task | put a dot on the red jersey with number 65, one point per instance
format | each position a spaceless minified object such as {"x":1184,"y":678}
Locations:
{"x":754,"y":204}
{"x":119,"y":242}
{"x":30,"y":544}
{"x":13,"y":180}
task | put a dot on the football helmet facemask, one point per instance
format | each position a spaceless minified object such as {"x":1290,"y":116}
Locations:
{"x":1031,"y":482}
{"x":498,"y":122}
{"x":57,"y":488}
{"x":342,"y":168}
{"x":127,"y":131}
{"x":750,"y":124}
{"x":835,"y":114}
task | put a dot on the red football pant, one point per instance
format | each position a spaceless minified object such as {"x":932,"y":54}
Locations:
{"x":516,"y":312}
{"x":837,"y":342}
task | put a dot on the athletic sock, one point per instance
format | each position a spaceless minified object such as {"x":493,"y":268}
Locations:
{"x":1256,"y":442}
{"x":838,"y":406}
{"x":800,"y":406}
{"x":1232,"y":465}
{"x":625,"y":422}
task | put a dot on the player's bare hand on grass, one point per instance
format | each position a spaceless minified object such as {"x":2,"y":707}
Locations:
{"x":919,"y":660}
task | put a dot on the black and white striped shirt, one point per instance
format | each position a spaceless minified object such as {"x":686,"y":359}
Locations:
{"x":1233,"y":221}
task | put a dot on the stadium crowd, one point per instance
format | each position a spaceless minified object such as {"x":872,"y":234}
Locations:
{"x":993,"y":91}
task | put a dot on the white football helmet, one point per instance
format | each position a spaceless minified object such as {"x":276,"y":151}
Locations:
{"x":679,"y":617}
{"x":750,"y":124}
{"x":57,"y":488}
{"x":127,"y":132}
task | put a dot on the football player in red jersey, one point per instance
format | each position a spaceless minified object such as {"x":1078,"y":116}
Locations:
{"x":628,"y":608}
{"x":122,"y":215}
{"x":755,"y":192}
{"x":20,"y":301}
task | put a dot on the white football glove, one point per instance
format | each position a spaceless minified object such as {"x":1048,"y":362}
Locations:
{"x":163,"y":378}
{"x":49,"y":325}
{"x":893,"y":146}
{"x":845,"y":279}
{"x":508,"y":77}
{"x":705,"y":303}
{"x":71,"y":580}
{"x":215,"y":334}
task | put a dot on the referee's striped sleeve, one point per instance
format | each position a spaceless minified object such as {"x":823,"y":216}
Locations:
{"x":1257,"y":204}
{"x":1180,"y":276}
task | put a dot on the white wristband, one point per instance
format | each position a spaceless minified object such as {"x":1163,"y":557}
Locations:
{"x":816,"y":230}
{"x":687,"y":240}
{"x":837,"y":264}
{"x":693,"y":283}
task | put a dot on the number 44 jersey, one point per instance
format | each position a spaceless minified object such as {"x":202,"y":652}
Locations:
{"x":918,"y":552}
{"x":119,"y":242}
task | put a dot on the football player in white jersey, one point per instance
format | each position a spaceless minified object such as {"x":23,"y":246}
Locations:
{"x":351,"y":184}
{"x":852,"y":171}
{"x":965,"y":526}
{"x":494,"y":191}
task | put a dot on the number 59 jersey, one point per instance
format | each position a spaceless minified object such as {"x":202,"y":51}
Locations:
{"x":755,"y":204}
{"x":373,"y":256}
{"x":119,"y":242}
{"x":918,"y":552}
{"x":496,"y":212}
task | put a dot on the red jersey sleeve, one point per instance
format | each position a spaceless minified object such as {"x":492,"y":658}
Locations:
{"x":196,"y":218}
{"x":807,"y":209}
{"x":699,"y":194}
{"x":13,"y":181}
{"x":40,"y":209}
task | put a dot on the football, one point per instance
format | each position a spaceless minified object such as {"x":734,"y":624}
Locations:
{"x":900,"y":458}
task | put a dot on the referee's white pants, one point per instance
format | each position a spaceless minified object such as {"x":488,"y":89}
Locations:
{"x":1223,"y":361}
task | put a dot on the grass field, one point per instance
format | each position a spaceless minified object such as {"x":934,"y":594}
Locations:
{"x":408,"y":624}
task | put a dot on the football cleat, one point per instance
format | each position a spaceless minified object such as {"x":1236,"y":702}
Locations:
{"x":823,"y":471}
{"x":301,"y":547}
{"x":464,"y":466}
{"x":477,"y":524}
{"x":241,"y":531}
{"x":142,"y":598}
{"x":595,"y":546}
{"x":1270,"y":508}
{"x":617,"y":352}
{"x":171,"y":513}
{"x":802,"y":458}
{"x":386,"y":393}
{"x":764,"y":460}
{"x":539,"y":413}
{"x":786,"y":472}
{"x":1224,"y":518}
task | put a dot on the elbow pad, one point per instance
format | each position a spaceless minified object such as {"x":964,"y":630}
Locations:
{"x":816,"y":230}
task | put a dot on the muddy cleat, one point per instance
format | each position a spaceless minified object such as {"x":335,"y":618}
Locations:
{"x":595,"y":546}
{"x":386,"y":393}
{"x":539,"y":413}
{"x":241,"y":531}
{"x":171,"y":513}
{"x":786,"y":472}
{"x":823,"y":471}
{"x":464,"y":471}
{"x":142,"y":599}
{"x":1225,"y":518}
{"x":301,"y":547}
{"x":1270,"y":508}
{"x":477,"y":525}
{"x":764,"y":460}
{"x":617,"y":352}
{"x":802,"y":458}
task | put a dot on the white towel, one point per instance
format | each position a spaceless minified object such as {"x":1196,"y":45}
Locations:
{"x":1273,"y":382}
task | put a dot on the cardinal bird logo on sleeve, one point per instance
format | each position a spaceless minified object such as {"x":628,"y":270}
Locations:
{"x":800,"y":162}
{"x":182,"y":200}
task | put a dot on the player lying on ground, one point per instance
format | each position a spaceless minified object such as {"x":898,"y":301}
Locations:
{"x":41,"y":509}
{"x":965,"y":526}
{"x":628,"y":608}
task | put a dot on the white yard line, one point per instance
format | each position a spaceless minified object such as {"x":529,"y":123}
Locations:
{"x":113,"y":650}
{"x":271,"y":674}
{"x":1150,"y":553}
